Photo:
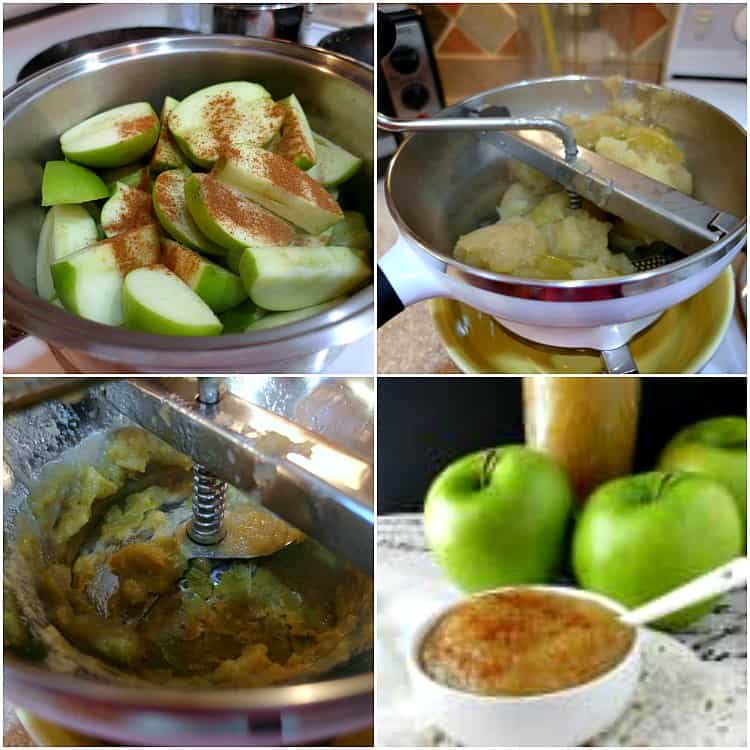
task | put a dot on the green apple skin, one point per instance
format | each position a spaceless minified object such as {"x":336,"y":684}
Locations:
{"x":66,"y":183}
{"x":139,"y":317}
{"x":639,"y":537}
{"x":508,"y":529}
{"x":121,"y":151}
{"x":717,"y":448}
{"x":239,"y":318}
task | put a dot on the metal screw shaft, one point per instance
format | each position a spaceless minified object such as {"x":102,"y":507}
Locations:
{"x":207,"y":526}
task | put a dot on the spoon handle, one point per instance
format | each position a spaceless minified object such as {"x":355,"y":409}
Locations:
{"x":733,"y":575}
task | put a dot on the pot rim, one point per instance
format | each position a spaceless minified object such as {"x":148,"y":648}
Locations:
{"x":28,"y":311}
{"x":616,"y":285}
{"x":198,"y":699}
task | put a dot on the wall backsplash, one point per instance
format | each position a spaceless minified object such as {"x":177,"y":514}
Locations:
{"x":482,"y":45}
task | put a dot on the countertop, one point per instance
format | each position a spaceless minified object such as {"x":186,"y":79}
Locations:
{"x":410,"y":343}
{"x":693,"y":687}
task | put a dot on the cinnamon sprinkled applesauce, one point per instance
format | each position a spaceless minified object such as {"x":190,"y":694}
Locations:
{"x":524,"y":642}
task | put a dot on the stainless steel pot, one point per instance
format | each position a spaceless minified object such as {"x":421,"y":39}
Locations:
{"x":442,"y":185}
{"x":336,"y":92}
{"x":342,"y":412}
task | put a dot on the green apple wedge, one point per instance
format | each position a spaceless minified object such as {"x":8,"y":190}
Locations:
{"x":499,"y":517}
{"x":334,"y":164}
{"x":229,"y":219}
{"x":66,"y":183}
{"x":167,"y":154}
{"x":66,"y":229}
{"x":173,"y":215}
{"x":218,"y":288}
{"x":715,"y":447}
{"x":639,"y":537}
{"x":290,"y":278}
{"x":238,"y":319}
{"x":89,"y":282}
{"x":113,"y":138}
{"x":133,"y":175}
{"x":352,"y":232}
{"x":155,"y":300}
{"x":277,"y":184}
{"x":222,"y":117}
{"x":128,"y":208}
{"x":297,"y":143}
{"x":275,"y":320}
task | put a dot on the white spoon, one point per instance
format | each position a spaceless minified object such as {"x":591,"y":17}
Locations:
{"x":730,"y":576}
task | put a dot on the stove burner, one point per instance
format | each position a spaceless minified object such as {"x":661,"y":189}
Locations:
{"x":91,"y":43}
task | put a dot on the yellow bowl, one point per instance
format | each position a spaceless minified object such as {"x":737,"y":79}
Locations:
{"x":683,"y":339}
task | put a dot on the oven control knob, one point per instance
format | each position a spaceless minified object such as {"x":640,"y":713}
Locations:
{"x":740,"y":25}
{"x":415,"y":96}
{"x":404,"y":59}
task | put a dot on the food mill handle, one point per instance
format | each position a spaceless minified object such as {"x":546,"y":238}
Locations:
{"x":733,"y":575}
{"x":482,"y":122}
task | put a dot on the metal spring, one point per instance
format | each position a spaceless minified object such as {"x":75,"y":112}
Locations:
{"x":207,"y":526}
{"x":574,"y":199}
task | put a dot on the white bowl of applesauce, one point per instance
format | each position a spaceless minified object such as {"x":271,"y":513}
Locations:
{"x":525,"y":665}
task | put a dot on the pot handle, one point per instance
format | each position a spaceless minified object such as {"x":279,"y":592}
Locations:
{"x":406,"y":276}
{"x":389,"y":303}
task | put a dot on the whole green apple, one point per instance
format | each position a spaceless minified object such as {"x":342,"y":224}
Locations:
{"x":716,"y":447}
{"x":498,"y":517}
{"x":641,"y":536}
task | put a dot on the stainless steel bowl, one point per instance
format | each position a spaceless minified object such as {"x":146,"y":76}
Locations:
{"x":337,"y":94}
{"x":341,"y":411}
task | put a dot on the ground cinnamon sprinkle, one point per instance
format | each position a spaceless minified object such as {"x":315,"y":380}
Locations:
{"x":136,"y":248}
{"x":136,"y":126}
{"x":137,"y":210}
{"x":165,"y":187}
{"x":231,"y":122}
{"x":144,"y":181}
{"x":293,"y":143}
{"x":180,"y":260}
{"x":282,"y":173}
{"x":227,"y":205}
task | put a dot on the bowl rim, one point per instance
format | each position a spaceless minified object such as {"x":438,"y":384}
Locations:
{"x":352,"y":318}
{"x":420,"y":632}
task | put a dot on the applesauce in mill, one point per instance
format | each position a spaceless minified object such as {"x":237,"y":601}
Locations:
{"x":588,"y":425}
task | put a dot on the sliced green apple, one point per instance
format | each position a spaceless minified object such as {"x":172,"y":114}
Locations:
{"x":45,"y":287}
{"x":64,"y":182}
{"x":289,"y":278}
{"x":220,"y":118}
{"x":171,"y":210}
{"x":133,"y":175}
{"x":167,"y":154}
{"x":281,"y":187}
{"x":155,"y":300}
{"x":352,"y":232}
{"x":296,"y":143}
{"x":239,"y":318}
{"x":274,"y":320}
{"x":229,"y":219}
{"x":218,"y":288}
{"x":89,"y":282}
{"x":334,"y":164}
{"x":112,"y":138}
{"x":128,"y":208}
{"x":66,"y":229}
{"x":316,"y":240}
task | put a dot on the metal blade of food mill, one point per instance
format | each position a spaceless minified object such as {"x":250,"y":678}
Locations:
{"x":315,"y":486}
